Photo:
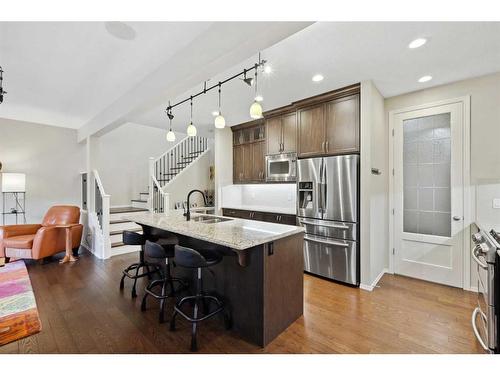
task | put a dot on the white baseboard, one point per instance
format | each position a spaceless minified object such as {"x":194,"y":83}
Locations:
{"x":370,"y":287}
{"x":472,"y":289}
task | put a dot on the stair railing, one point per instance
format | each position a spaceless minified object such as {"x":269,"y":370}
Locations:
{"x":169,"y":165}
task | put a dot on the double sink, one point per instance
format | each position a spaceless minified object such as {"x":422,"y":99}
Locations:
{"x":207,"y":219}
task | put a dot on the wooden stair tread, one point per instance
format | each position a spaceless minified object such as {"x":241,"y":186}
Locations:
{"x":119,"y":221}
{"x":119,"y":231}
{"x":139,"y":200}
{"x":122,"y":210}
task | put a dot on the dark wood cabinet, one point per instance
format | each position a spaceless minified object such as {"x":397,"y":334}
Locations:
{"x":323,"y":125}
{"x":329,"y":128}
{"x":269,"y":217}
{"x":289,"y":126}
{"x":258,"y":161}
{"x":311,"y":133}
{"x":238,"y":165}
{"x":249,"y":152}
{"x":342,"y":125}
{"x":281,"y":133}
{"x":274,"y":132}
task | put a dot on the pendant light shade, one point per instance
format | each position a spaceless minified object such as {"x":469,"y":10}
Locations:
{"x":256,"y":110}
{"x":219,"y":121}
{"x":170,"y":136}
{"x":191,"y":129}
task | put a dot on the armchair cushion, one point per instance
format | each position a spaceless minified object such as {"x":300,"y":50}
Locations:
{"x":9,"y":231}
{"x":19,"y":242}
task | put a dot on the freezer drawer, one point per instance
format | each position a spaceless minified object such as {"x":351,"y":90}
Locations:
{"x":327,"y":228}
{"x":331,"y":258}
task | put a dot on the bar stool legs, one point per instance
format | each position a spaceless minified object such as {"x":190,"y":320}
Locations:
{"x":129,"y":272}
{"x":167,"y":290}
{"x":204,"y":300}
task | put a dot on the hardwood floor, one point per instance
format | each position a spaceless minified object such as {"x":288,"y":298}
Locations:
{"x":83,"y":311}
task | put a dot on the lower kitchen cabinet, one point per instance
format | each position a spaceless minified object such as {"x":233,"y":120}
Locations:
{"x":260,"y":216}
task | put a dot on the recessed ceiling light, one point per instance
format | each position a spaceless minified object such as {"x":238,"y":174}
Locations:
{"x":424,"y":79}
{"x":215,"y":113}
{"x":268,"y":69}
{"x":419,"y":42}
{"x":120,"y":30}
{"x":259,"y":98}
{"x":317,"y":78}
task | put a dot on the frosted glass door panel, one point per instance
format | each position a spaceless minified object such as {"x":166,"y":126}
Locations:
{"x":426,"y":175}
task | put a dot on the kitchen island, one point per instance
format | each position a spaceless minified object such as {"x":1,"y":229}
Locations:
{"x":261,"y":276}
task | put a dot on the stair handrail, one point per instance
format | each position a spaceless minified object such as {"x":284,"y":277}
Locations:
{"x":171,"y":148}
{"x":154,"y":182}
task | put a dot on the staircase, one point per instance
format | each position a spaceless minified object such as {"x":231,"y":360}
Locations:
{"x":166,"y":168}
{"x":163,"y":170}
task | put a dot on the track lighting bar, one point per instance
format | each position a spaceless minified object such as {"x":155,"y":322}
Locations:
{"x":217,"y":85}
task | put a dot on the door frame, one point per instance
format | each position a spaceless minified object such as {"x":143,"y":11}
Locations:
{"x":467,"y":191}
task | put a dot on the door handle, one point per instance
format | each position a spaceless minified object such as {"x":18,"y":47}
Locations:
{"x":326,"y":146}
{"x":457,"y":218}
{"x":336,"y":226}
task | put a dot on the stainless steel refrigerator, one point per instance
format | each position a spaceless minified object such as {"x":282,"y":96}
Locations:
{"x":327,"y":206}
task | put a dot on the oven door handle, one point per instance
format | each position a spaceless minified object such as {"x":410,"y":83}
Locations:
{"x":475,"y":256}
{"x":477,"y":311}
{"x":333,"y":243}
{"x":336,"y":226}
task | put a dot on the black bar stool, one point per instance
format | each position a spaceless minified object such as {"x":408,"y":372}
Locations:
{"x":133,"y":238}
{"x":189,"y":258}
{"x":162,"y":250}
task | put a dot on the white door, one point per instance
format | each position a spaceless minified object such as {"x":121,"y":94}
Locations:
{"x":428,"y":194}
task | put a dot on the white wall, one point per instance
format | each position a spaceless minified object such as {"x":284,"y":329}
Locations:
{"x":223,"y":155}
{"x":196,"y":176}
{"x":374,"y":198}
{"x":485,"y":134}
{"x":51,"y":159}
{"x":122,"y":159}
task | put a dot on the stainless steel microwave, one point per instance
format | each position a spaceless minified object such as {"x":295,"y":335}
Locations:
{"x":281,"y":167}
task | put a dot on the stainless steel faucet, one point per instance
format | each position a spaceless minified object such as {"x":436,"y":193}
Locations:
{"x":187,"y":213}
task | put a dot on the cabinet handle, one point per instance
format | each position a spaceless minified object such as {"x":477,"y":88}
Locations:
{"x":326,"y":146}
{"x":323,"y":146}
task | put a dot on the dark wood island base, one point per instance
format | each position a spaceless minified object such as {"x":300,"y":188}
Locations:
{"x":265,"y":294}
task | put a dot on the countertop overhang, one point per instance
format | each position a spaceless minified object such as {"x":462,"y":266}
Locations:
{"x":238,"y":234}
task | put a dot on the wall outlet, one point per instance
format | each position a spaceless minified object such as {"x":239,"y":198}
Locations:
{"x":496,"y":202}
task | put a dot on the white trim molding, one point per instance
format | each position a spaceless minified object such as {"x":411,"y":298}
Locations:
{"x":372,"y":286}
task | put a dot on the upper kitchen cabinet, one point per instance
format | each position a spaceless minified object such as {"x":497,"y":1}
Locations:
{"x":342,"y":125}
{"x":311,"y":134}
{"x":281,"y":131}
{"x":329,"y":123}
{"x":249,"y":142}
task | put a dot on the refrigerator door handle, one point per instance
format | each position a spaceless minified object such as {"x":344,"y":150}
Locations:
{"x":330,"y":242}
{"x":336,"y":226}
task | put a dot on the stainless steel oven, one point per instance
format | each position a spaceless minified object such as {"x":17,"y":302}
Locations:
{"x":281,"y":167}
{"x":485,"y":315}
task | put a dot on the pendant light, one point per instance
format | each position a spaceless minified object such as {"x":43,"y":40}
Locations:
{"x":220,"y":121}
{"x":170,"y":134}
{"x":191,"y":129}
{"x":256,"y":108}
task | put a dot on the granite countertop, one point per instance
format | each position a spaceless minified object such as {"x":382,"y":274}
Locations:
{"x":276,"y":210}
{"x":238,"y":234}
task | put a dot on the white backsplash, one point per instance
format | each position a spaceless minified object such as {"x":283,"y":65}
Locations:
{"x":260,"y":195}
{"x":486,"y":191}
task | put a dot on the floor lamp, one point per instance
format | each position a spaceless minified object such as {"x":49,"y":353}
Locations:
{"x":14,"y":184}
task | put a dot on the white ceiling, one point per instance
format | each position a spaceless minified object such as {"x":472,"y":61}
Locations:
{"x":66,"y":74}
{"x":347,"y":53}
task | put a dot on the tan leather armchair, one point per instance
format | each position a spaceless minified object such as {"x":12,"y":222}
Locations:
{"x":37,"y":241}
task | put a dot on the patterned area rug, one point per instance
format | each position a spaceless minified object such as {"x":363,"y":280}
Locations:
{"x":18,"y":313}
